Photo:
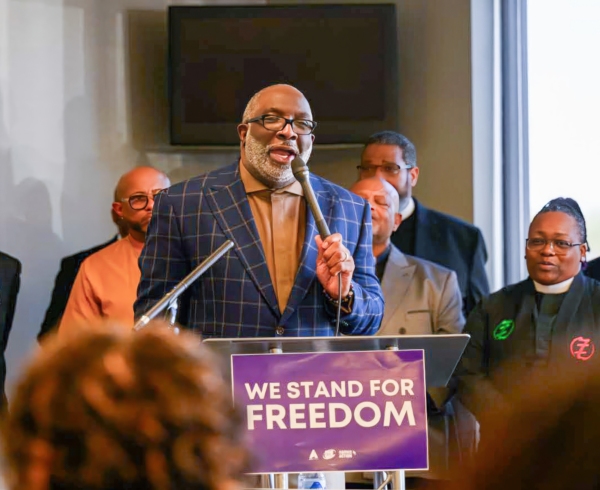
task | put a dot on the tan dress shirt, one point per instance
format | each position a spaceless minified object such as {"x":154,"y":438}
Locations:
{"x":105,"y":287}
{"x":280,"y":217}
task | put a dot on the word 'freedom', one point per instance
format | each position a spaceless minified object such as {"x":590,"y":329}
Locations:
{"x":331,"y":414}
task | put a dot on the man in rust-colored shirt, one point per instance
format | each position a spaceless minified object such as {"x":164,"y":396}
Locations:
{"x":106,"y":284}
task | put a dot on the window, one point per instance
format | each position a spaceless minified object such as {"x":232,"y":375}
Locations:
{"x":564,"y":106}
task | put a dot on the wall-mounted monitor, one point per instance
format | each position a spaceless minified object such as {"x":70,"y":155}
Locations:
{"x":343,"y":57}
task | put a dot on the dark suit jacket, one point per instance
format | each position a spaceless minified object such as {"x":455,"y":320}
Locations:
{"x":235,"y":297}
{"x":593,"y":269}
{"x":455,"y":244}
{"x":490,"y":360}
{"x":69,"y":267}
{"x":10,"y":270}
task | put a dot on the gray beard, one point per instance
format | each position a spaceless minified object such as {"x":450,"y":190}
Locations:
{"x":273,"y":175}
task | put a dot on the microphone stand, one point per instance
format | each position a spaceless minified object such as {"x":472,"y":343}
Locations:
{"x":169,"y":300}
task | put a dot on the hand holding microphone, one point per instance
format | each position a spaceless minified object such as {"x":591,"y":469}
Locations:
{"x":334,"y":258}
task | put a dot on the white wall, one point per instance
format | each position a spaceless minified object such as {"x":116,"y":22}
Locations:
{"x":64,"y":139}
{"x":83,"y":99}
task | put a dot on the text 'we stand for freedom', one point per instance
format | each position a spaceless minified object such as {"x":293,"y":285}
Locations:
{"x":328,"y":410}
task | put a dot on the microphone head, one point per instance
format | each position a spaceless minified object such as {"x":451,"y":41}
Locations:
{"x":299,"y":169}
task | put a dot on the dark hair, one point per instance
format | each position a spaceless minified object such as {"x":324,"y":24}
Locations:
{"x":116,"y":410}
{"x":392,"y":138}
{"x":568,"y":206}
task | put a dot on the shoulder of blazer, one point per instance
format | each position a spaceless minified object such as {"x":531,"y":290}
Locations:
{"x":591,"y":286}
{"x":221,"y":176}
{"x":334,"y":191}
{"x":79,"y":257}
{"x":439,"y":219}
{"x":10,"y":261}
{"x":511,"y":294}
{"x":593,"y":269}
{"x":427,"y":264}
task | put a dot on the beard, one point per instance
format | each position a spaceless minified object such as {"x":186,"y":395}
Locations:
{"x":274,"y":175}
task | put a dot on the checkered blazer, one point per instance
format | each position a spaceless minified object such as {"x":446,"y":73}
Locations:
{"x":235,"y":297}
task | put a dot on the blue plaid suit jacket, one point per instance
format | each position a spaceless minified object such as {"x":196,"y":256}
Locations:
{"x":235,"y":297}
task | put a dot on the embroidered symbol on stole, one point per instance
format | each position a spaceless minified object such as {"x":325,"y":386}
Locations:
{"x":582,"y":348}
{"x":504,"y":329}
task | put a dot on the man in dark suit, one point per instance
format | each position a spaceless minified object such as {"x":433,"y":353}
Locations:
{"x":592,"y":269}
{"x":424,"y":232}
{"x":10,"y":280}
{"x":69,"y":267}
{"x":280,"y":279}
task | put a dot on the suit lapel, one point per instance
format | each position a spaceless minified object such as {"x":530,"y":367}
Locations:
{"x":425,"y":234}
{"x":232,"y":211}
{"x":395,"y":283}
{"x":308,"y":259}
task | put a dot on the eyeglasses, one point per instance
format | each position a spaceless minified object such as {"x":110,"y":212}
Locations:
{"x":140,"y":201}
{"x":278,"y":123}
{"x":387,"y":169}
{"x":560,"y":247}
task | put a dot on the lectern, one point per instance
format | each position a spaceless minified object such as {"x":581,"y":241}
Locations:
{"x":439,"y":354}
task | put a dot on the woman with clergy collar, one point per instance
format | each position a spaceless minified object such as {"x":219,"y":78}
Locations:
{"x":552,"y":316}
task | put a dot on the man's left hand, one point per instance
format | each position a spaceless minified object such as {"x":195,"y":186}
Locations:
{"x":334,"y":259}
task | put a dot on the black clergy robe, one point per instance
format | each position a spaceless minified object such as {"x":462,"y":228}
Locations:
{"x":505,"y":339}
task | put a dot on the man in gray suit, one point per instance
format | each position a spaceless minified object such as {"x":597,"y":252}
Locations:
{"x":421,"y":298}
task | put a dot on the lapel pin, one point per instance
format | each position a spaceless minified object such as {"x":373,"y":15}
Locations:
{"x":504,"y":329}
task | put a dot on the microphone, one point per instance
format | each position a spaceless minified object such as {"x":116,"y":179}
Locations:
{"x":300,"y":170}
{"x":170,"y":298}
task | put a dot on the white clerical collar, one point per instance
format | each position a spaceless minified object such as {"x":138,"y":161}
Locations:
{"x":408,"y":210}
{"x":561,"y":287}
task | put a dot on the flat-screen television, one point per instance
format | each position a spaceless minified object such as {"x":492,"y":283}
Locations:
{"x":342,"y":57}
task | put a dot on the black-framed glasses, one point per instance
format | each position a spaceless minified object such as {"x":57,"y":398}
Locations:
{"x":278,"y":123}
{"x":139,"y":201}
{"x":560,"y":247}
{"x":388,"y":169}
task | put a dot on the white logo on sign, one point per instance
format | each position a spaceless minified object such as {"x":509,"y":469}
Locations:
{"x":329,"y":454}
{"x":313,"y":455}
{"x":346,"y":453}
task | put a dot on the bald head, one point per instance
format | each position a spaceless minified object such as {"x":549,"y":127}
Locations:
{"x":134,"y":198}
{"x":385,"y":205}
{"x":379,"y":187}
{"x":136,"y":177}
{"x":277,"y":91}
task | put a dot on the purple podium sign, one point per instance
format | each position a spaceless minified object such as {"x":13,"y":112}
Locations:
{"x":333,"y":411}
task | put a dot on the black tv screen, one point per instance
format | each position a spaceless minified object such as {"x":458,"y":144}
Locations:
{"x":343,"y":57}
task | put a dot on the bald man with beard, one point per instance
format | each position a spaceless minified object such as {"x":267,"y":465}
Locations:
{"x":106,"y":284}
{"x":280,"y":279}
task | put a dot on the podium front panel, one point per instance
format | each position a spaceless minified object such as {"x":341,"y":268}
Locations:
{"x":333,"y":411}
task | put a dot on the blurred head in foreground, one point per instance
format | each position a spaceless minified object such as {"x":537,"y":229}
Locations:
{"x":107,"y":409}
{"x":546,"y":436}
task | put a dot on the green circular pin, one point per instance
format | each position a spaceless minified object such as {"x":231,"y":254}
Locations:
{"x":504,"y":329}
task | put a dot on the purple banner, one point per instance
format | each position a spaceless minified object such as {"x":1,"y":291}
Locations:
{"x":333,"y":411}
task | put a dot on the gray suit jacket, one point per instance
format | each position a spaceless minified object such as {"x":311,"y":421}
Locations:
{"x":421,"y":298}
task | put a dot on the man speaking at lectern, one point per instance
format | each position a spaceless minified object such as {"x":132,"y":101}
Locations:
{"x":280,"y":279}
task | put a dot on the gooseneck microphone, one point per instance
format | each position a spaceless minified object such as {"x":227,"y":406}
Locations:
{"x":300,"y":170}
